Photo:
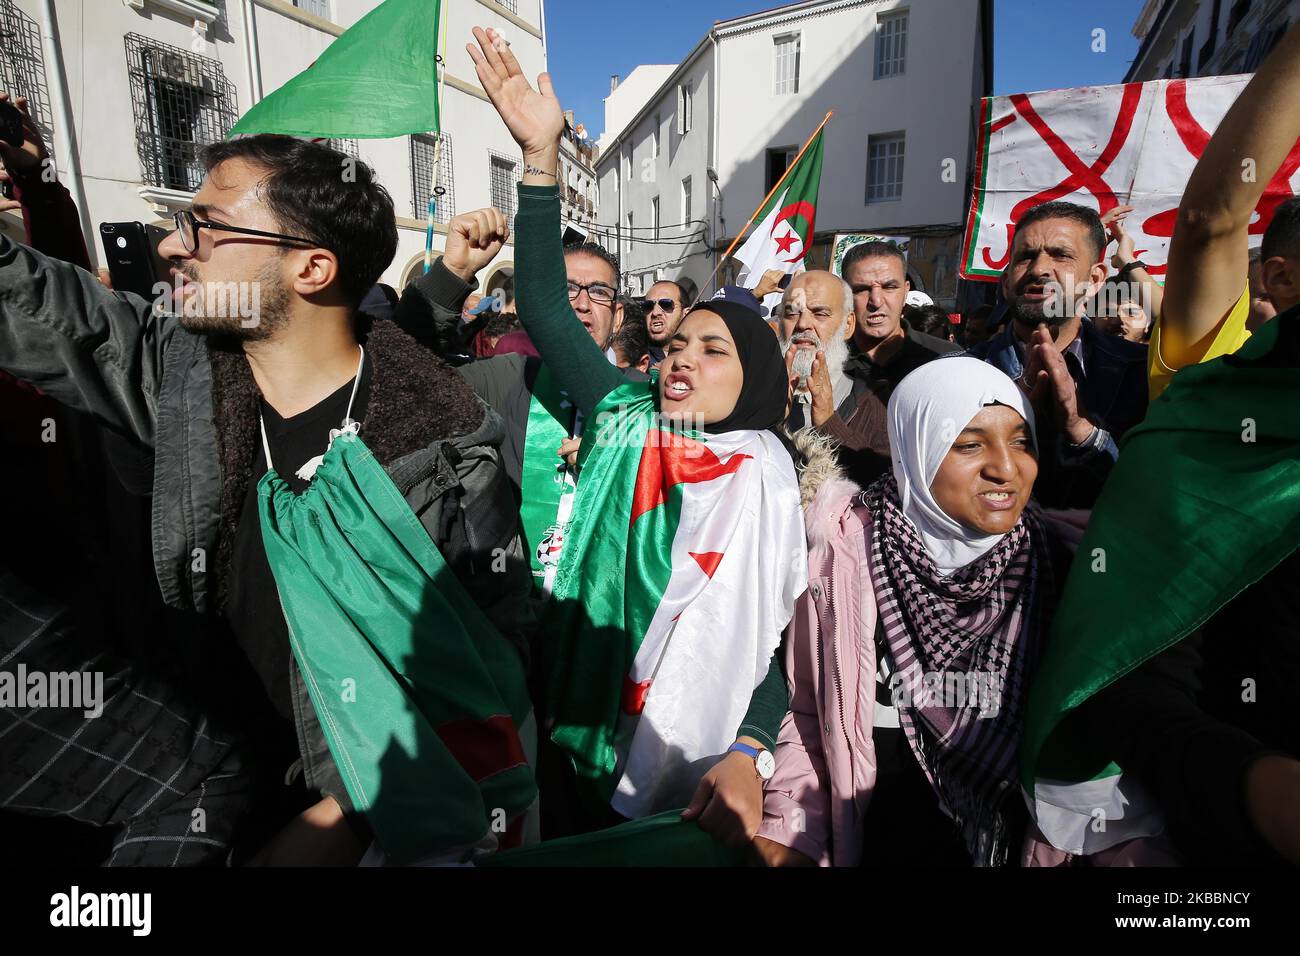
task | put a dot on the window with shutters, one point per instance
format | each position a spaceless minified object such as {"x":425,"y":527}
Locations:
{"x":654,"y":218}
{"x":891,"y":45}
{"x":654,"y":139}
{"x":686,"y":200}
{"x":785,"y":64}
{"x":885,"y":167}
{"x":181,"y":103}
{"x":503,"y":175}
{"x":425,"y":148}
{"x":685,"y":109}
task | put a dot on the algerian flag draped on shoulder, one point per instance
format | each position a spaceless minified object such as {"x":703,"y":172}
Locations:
{"x":421,"y":700}
{"x":378,"y":79}
{"x":783,"y":231}
{"x":680,"y":570}
{"x":1203,"y":502}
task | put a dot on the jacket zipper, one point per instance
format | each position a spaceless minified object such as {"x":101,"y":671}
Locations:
{"x":835,"y":670}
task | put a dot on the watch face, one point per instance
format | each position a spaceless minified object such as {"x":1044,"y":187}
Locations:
{"x":766,"y":764}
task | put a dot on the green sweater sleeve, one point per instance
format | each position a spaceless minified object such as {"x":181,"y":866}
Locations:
{"x":542,"y":298}
{"x":769,"y":703}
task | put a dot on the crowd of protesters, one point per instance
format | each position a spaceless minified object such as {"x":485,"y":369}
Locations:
{"x":986,"y":577}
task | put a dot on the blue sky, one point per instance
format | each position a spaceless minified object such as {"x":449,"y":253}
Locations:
{"x":1038,"y":44}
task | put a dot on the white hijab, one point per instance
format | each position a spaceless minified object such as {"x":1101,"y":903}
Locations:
{"x":927,"y":412}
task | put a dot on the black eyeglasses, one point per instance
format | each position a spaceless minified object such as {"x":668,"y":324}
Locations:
{"x":668,"y":305}
{"x":189,"y":227}
{"x":598,"y":292}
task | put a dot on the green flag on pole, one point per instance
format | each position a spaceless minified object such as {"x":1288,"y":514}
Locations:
{"x":378,"y":79}
{"x":1203,"y":502}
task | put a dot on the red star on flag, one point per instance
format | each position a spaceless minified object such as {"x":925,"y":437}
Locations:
{"x":786,"y":242}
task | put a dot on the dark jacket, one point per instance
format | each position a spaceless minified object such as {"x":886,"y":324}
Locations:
{"x":109,"y":355}
{"x":429,"y":312}
{"x":1112,"y":390}
{"x":918,"y":348}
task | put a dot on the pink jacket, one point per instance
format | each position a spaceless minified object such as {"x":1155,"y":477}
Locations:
{"x":817,"y":800}
{"x":825,"y":760}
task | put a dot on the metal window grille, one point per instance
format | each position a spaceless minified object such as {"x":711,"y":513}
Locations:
{"x":885,"y":167}
{"x":1185,"y":58}
{"x":424,"y":147}
{"x":319,"y":7}
{"x":1237,"y":14}
{"x":891,"y":45}
{"x":1211,"y":44}
{"x":511,"y":5}
{"x":503,"y":173}
{"x":22,"y":69}
{"x":785,"y":69}
{"x":181,"y":102}
{"x":347,"y":147}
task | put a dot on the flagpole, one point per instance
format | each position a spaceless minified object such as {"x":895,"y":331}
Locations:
{"x":795,"y":162}
{"x":440,"y":82}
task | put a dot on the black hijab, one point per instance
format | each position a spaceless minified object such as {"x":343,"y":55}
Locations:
{"x":761,"y":404}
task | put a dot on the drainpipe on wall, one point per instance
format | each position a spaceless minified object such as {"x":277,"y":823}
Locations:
{"x":63,"y":127}
{"x":251,"y":55}
{"x":714,"y":86}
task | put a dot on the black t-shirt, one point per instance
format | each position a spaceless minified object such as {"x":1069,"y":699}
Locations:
{"x":253,"y":604}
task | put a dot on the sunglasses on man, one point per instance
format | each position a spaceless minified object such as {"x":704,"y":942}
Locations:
{"x":668,"y":305}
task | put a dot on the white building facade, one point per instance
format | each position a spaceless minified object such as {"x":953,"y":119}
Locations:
{"x":904,"y":78}
{"x":1190,"y":38}
{"x":140,"y":86}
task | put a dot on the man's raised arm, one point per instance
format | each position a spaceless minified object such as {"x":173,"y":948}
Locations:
{"x":1208,"y":253}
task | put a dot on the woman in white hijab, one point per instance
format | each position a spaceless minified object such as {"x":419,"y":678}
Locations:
{"x":910,"y":655}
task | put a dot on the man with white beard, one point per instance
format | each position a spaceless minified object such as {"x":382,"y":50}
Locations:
{"x":817,"y":322}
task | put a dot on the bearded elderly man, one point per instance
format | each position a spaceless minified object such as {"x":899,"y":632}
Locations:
{"x":816,"y":324}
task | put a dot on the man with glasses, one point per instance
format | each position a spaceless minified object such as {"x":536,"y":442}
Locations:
{"x":261,"y":359}
{"x":665,"y":307}
{"x":430,"y":309}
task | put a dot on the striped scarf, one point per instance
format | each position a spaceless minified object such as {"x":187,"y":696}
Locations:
{"x":984,"y":620}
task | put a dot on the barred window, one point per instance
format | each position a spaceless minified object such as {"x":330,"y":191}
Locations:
{"x":22,"y":68}
{"x":347,"y":147}
{"x":785,"y":66}
{"x":891,"y":45}
{"x":424,"y":148}
{"x":503,"y":174}
{"x":511,"y":5}
{"x":181,"y":103}
{"x":885,"y":167}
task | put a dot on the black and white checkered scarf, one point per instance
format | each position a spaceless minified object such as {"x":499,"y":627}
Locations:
{"x":985,"y":618}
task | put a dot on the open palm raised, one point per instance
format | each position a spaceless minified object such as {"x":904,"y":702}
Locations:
{"x":534,"y":118}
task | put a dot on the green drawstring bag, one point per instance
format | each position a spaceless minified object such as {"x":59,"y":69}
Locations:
{"x":420,"y":698}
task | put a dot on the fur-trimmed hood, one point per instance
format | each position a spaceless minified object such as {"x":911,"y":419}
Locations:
{"x":824,"y":491}
{"x":415,"y":399}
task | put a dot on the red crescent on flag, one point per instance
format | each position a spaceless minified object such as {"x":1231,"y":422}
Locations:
{"x":805,"y":209}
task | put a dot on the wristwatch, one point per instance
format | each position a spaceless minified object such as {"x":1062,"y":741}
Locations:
{"x":764,"y":762}
{"x":1129,"y":267}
